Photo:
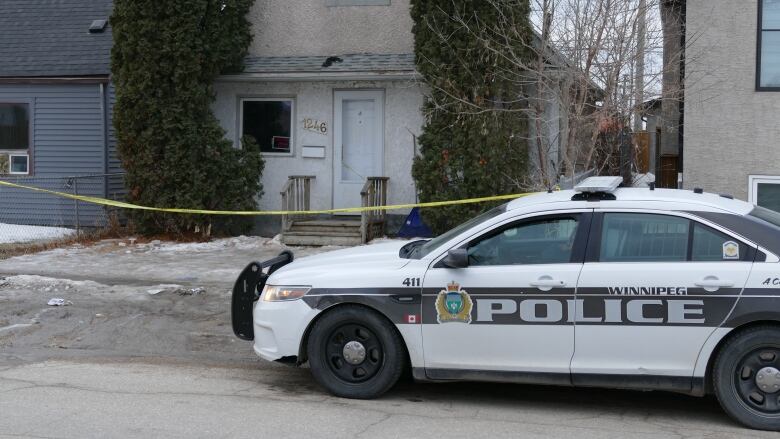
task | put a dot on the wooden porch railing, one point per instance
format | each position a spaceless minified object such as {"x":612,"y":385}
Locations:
{"x":296,"y":195}
{"x":372,"y":222}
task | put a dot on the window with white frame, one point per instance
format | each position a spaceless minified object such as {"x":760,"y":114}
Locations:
{"x":270,"y":122}
{"x":14,"y":138}
{"x":764,"y":191}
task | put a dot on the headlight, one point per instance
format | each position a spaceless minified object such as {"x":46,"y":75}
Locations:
{"x":273,"y":293}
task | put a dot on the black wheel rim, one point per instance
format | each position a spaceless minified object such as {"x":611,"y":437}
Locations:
{"x":747,"y":386}
{"x":346,"y":370}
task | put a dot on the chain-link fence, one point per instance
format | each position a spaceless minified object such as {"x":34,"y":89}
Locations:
{"x":28,"y":216}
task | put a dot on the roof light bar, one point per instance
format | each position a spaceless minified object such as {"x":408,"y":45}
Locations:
{"x":599,"y":184}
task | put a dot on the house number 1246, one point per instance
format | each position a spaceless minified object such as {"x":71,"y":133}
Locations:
{"x":315,"y":125}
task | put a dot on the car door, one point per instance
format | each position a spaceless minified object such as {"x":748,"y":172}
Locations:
{"x":507,"y":310}
{"x":653,"y":288}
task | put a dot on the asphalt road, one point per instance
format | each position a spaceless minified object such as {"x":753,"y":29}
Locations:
{"x":153,"y":397}
{"x":132,"y":358}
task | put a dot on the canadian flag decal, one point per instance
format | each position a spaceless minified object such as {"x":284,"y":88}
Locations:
{"x":412,"y":319}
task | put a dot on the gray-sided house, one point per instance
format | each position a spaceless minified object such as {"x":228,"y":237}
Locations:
{"x":55,"y":109}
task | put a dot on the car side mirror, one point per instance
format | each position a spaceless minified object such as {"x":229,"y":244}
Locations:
{"x":456,"y":258}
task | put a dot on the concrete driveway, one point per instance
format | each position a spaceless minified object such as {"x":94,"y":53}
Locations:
{"x":145,"y":350}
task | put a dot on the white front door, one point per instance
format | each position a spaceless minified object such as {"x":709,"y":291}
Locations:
{"x":358,"y":143}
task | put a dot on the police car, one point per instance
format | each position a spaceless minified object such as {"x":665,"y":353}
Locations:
{"x":600,"y":286}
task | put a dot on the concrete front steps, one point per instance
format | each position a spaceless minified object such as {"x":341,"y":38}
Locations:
{"x":336,"y":231}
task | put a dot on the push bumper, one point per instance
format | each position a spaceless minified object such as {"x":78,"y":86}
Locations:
{"x":247,"y":289}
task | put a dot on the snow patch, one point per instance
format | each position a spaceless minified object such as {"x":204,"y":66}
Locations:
{"x":16,"y":233}
{"x":215,"y":262}
{"x":48,"y":283}
{"x":162,"y":287}
{"x":238,"y":243}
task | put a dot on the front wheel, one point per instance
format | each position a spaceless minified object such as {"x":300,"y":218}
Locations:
{"x":746,"y":377}
{"x":355,"y":353}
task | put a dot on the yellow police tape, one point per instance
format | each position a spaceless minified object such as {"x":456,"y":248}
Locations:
{"x":124,"y":205}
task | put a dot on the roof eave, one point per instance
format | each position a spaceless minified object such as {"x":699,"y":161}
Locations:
{"x":83,"y":79}
{"x":322,"y":76}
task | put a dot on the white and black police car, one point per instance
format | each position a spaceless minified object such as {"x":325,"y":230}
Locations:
{"x":601,"y":286}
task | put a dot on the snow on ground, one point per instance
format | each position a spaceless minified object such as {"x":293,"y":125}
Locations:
{"x":120,"y":261}
{"x":15,"y":233}
{"x":25,"y":285}
{"x":129,"y":300}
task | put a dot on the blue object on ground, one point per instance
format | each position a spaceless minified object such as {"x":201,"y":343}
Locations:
{"x":414,"y":227}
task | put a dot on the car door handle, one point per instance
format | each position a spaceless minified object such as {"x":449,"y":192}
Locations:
{"x":712,"y":282}
{"x":548,"y":283}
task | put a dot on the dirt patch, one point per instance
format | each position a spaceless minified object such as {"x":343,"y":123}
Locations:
{"x":122,"y":320}
{"x":150,"y":299}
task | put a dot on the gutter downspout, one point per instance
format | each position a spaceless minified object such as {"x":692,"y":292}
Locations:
{"x":681,"y":130}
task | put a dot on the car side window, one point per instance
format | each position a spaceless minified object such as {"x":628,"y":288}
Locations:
{"x":711,"y":245}
{"x":544,"y":241}
{"x":640,"y":237}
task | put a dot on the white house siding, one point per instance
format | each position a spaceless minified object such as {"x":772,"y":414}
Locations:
{"x":403,"y":120}
{"x":311,"y":27}
{"x":731,"y":130}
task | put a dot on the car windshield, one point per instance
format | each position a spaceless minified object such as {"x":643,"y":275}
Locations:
{"x":767,"y":215}
{"x":437,"y":242}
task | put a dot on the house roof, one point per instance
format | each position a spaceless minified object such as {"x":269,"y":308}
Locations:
{"x":351,"y":63}
{"x":51,"y":38}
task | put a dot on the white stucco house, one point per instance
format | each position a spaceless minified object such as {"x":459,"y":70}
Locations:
{"x":329,"y":91}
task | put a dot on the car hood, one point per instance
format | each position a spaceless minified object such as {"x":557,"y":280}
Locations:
{"x":373,"y":256}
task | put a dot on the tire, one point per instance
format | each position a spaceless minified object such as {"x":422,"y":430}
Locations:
{"x":336,"y":368}
{"x":742,"y":360}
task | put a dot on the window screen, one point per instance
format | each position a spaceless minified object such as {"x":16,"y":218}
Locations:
{"x":636,"y":237}
{"x":269,"y":122}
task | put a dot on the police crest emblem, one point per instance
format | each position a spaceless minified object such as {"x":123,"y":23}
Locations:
{"x":453,"y":305}
{"x":730,"y":250}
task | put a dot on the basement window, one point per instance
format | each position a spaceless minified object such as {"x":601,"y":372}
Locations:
{"x":14,"y":138}
{"x":269,"y":122}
